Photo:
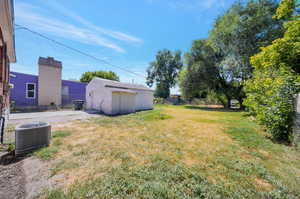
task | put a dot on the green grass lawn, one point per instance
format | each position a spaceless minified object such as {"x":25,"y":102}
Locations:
{"x":171,"y":152}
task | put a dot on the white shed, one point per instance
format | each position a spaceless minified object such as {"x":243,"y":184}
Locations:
{"x":112,"y":97}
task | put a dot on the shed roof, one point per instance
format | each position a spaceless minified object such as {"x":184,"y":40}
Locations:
{"x":120,"y":85}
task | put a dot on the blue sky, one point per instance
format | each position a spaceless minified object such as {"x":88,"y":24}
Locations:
{"x":127,"y":33}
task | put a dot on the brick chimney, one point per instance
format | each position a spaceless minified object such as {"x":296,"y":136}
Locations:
{"x":49,"y":88}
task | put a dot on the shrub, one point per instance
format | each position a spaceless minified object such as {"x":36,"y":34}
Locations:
{"x":271,"y":101}
{"x":159,"y":100}
{"x":215,"y":98}
{"x":270,"y":93}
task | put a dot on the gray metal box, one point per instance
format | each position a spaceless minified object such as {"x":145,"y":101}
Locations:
{"x":32,"y":136}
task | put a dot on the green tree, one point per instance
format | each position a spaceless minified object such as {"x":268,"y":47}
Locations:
{"x":162,"y":90}
{"x":88,"y":76}
{"x":276,"y":77}
{"x":200,"y":73}
{"x":238,"y":35}
{"x":220,"y":64}
{"x":164,"y":72}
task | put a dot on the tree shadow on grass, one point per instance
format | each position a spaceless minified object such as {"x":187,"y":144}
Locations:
{"x":217,"y":109}
{"x":279,"y":141}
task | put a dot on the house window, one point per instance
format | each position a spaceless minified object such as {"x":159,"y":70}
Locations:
{"x":65,"y":93}
{"x":30,"y":90}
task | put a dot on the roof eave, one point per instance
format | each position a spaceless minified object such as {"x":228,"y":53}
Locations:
{"x":116,"y":84}
{"x":7,"y":27}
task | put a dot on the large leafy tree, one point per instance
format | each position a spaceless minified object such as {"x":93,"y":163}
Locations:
{"x":201,"y":73}
{"x":276,"y":77}
{"x":88,"y":76}
{"x":238,"y":35}
{"x":164,"y":71}
{"x":221,"y":63}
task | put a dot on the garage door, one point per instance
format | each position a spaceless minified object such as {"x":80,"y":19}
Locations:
{"x":123,"y":103}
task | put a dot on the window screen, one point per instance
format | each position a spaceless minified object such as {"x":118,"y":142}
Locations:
{"x":30,"y":90}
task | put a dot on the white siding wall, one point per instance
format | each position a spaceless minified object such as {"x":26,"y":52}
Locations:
{"x":123,"y":103}
{"x":110,"y":102}
{"x":98,"y":97}
{"x":144,"y":100}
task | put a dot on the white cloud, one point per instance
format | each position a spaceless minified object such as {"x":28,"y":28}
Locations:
{"x":192,"y":4}
{"x":29,"y":16}
{"x":110,"y":33}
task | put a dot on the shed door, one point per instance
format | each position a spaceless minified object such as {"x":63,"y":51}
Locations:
{"x":123,"y":103}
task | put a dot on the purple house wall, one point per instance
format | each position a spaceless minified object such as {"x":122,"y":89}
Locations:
{"x":18,"y":92}
{"x":73,"y":90}
{"x":76,"y":91}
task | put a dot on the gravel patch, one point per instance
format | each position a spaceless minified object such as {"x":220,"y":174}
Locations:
{"x":55,"y":117}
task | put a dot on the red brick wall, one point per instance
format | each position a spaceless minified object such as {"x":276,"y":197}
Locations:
{"x":4,"y":76}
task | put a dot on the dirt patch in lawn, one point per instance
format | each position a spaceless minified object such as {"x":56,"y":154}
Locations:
{"x":12,"y":178}
{"x":263,"y":185}
{"x":37,"y":175}
{"x":23,"y":177}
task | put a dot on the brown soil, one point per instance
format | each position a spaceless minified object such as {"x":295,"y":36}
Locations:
{"x":12,"y":179}
{"x":22,"y":178}
{"x":263,"y":185}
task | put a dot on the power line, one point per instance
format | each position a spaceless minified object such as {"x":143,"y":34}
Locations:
{"x":76,"y":50}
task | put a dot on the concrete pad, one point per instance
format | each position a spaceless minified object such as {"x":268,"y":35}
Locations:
{"x":51,"y":117}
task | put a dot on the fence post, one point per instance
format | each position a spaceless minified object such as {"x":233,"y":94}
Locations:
{"x":296,"y":128}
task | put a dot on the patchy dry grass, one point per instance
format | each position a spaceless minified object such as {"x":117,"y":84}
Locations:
{"x":47,"y":153}
{"x":172,"y":152}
